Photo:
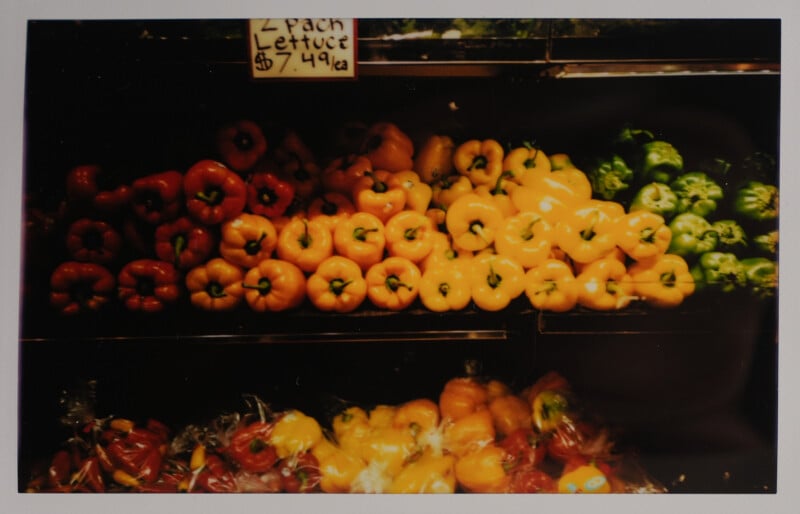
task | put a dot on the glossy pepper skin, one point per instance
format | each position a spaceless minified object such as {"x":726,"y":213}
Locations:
{"x":495,"y":281}
{"x":409,"y":234}
{"x":91,"y":240}
{"x":768,"y":242}
{"x":268,"y":195}
{"x":247,"y":239}
{"x":294,"y":433}
{"x":388,"y":148}
{"x":343,"y":172}
{"x":586,"y":233}
{"x":480,"y":161}
{"x":570,"y":185}
{"x":697,"y":193}
{"x":213,"y":192}
{"x":448,"y":189}
{"x":643,"y":235}
{"x":524,"y":162}
{"x":610,"y":176}
{"x":80,"y":286}
{"x":215,"y":285}
{"x":526,"y":238}
{"x":184,"y":243}
{"x":662,"y":282}
{"x":692,"y":235}
{"x":661,"y":162}
{"x":434,"y":159}
{"x":762,"y":276}
{"x":483,"y":471}
{"x":500,"y":194}
{"x":444,"y":288}
{"x":241,"y":144}
{"x":393,"y":284}
{"x":418,"y":193}
{"x":89,"y":184}
{"x":330,"y":208}
{"x":473,"y":222}
{"x":731,"y":235}
{"x":148,"y":285}
{"x":305,"y":243}
{"x":274,"y":285}
{"x":158,"y":197}
{"x":379,"y":193}
{"x":530,"y":199}
{"x":250,"y":447}
{"x":551,"y":286}
{"x":426,"y":474}
{"x":605,"y":285}
{"x":657,"y":198}
{"x":757,"y":201}
{"x":337,"y":285}
{"x":720,"y":271}
{"x":361,"y":238}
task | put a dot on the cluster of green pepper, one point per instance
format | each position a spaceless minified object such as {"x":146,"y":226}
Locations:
{"x":723,"y":218}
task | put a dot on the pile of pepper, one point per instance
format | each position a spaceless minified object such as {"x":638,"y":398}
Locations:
{"x":478,"y":436}
{"x":443,"y":226}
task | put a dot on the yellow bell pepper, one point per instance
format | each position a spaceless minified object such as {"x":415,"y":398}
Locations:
{"x":495,"y":281}
{"x":663,"y":281}
{"x":274,"y":285}
{"x":444,"y":288}
{"x":337,"y":285}
{"x":569,"y":184}
{"x":549,"y":207}
{"x":338,"y":469}
{"x":605,"y":285}
{"x":586,"y":234}
{"x":382,"y":416}
{"x":379,"y":193}
{"x":393,"y":283}
{"x":427,"y":473}
{"x":615,"y":210}
{"x":293,"y":433}
{"x":388,"y":448}
{"x":435,"y":159}
{"x":526,"y":237}
{"x":417,"y":416}
{"x":551,"y":286}
{"x":305,"y":243}
{"x":418,"y":194}
{"x":437,"y":217}
{"x":343,"y":172}
{"x":330,"y":208}
{"x":584,"y":479}
{"x":349,"y":419}
{"x":473,"y":222}
{"x":409,"y":234}
{"x":449,"y":189}
{"x":480,"y":161}
{"x":388,"y":148}
{"x":643,"y":235}
{"x":560,"y":161}
{"x":526,"y":160}
{"x":483,"y":471}
{"x":443,"y":253}
{"x":500,"y":194}
{"x":361,"y":238}
{"x":215,"y":285}
{"x":247,"y":239}
{"x":509,"y":413}
{"x":469,"y":433}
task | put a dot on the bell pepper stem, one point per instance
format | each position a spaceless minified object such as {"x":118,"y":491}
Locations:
{"x":479,"y":162}
{"x":211,"y":197}
{"x":264,"y":286}
{"x":494,"y":279}
{"x":393,"y":283}
{"x":337,"y":285}
{"x":476,"y":227}
{"x":252,"y":247}
{"x":444,"y":288}
{"x":378,"y":185}
{"x":410,"y":234}
{"x":360,"y":233}
{"x":178,"y":245}
{"x":215,"y":290}
{"x":305,"y":237}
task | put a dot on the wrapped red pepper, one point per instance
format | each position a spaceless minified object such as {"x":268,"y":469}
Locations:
{"x":158,"y":197}
{"x":300,"y":474}
{"x":250,"y":447}
{"x":136,"y":452}
{"x":148,"y":285}
{"x":268,"y":195}
{"x":91,"y":240}
{"x":216,"y":477}
{"x":213,"y":192}
{"x":184,"y":243}
{"x":80,"y":286}
{"x":241,"y":144}
{"x":91,"y":185}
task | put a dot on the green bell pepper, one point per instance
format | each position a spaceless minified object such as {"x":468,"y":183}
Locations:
{"x":610,"y":176}
{"x":691,"y":235}
{"x":762,"y":276}
{"x":767,"y":243}
{"x":655,"y":197}
{"x":629,"y":136}
{"x":732,"y":237}
{"x":719,"y":270}
{"x":697,"y":193}
{"x":660,"y":161}
{"x":757,"y":201}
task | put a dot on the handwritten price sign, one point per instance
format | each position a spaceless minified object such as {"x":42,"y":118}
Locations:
{"x":303,"y":48}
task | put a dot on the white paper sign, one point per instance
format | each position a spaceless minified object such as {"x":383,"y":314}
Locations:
{"x":303,"y":48}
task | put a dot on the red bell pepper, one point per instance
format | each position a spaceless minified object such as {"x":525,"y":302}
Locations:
{"x":300,"y":474}
{"x":268,"y":195}
{"x":157,"y":197}
{"x":137,"y":452}
{"x":241,"y":144}
{"x":80,"y":286}
{"x":148,"y":285}
{"x":91,"y":185}
{"x":184,"y":243}
{"x":59,"y":471}
{"x":250,"y":448}
{"x":89,"y":475}
{"x":214,"y":193}
{"x":93,"y":241}
{"x":216,"y":477}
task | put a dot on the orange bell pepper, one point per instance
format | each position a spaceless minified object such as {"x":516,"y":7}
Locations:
{"x":435,"y":159}
{"x":473,"y":222}
{"x":510,"y":413}
{"x":483,"y":471}
{"x":337,"y":285}
{"x":551,"y":286}
{"x":605,"y":285}
{"x":247,"y":240}
{"x":343,"y":172}
{"x":438,"y":218}
{"x":388,"y":148}
{"x":305,"y":243}
{"x":500,"y":194}
{"x":443,"y":254}
{"x":381,"y":416}
{"x":274,"y":285}
{"x":663,"y":281}
{"x":418,"y":194}
{"x":393,"y":283}
{"x":616,"y":254}
{"x":330,"y":208}
{"x":409,"y":234}
{"x":417,"y":416}
{"x":444,"y":288}
{"x":215,"y":285}
{"x":480,"y":161}
{"x":469,"y":433}
{"x":379,"y":193}
{"x":448,"y":189}
{"x":586,"y":234}
{"x":526,"y":237}
{"x":361,"y":238}
{"x":549,"y":207}
{"x":495,"y":281}
{"x":427,"y":473}
{"x":524,"y":161}
{"x":643,"y":235}
{"x":461,"y":396}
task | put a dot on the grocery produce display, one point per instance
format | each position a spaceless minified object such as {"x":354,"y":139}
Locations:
{"x":478,"y":436}
{"x":388,"y":227}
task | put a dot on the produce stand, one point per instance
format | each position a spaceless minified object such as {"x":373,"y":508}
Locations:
{"x":690,"y":391}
